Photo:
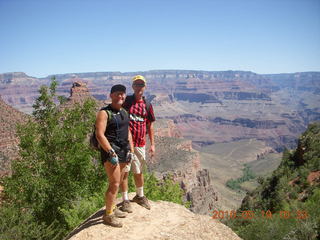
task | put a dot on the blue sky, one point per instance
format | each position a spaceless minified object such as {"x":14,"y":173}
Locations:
{"x":41,"y":37}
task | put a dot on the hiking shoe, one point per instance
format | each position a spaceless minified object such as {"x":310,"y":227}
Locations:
{"x":111,"y":220}
{"x":119,"y":214}
{"x":126,"y":206}
{"x":143,"y":201}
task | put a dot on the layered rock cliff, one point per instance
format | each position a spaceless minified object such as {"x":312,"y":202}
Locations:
{"x":176,"y":158}
{"x":234,"y":104}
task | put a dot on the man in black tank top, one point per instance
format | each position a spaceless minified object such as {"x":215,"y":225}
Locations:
{"x":114,"y":137}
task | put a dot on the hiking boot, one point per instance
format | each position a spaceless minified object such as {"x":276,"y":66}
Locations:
{"x":111,"y":220}
{"x":119,"y":214}
{"x":143,"y":201}
{"x":126,"y":206}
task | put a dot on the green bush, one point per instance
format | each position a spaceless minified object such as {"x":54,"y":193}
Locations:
{"x":233,"y":184}
{"x":56,"y":166}
{"x":247,"y":175}
{"x":287,"y":189}
{"x":17,"y":224}
{"x":275,"y":227}
{"x":82,"y":208}
{"x":156,"y":189}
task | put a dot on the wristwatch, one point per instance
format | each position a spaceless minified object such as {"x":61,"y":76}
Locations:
{"x":111,"y":152}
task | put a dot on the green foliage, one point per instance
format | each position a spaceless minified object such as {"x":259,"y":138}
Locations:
{"x":260,"y":180}
{"x":82,"y":208}
{"x":247,"y":175}
{"x":312,"y":207}
{"x":56,"y":163}
{"x":233,"y":184}
{"x":287,"y":189}
{"x":275,"y":227}
{"x":155,"y":189}
{"x":165,"y":190}
{"x":17,"y":224}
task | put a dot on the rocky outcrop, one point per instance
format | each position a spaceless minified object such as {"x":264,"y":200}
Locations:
{"x":203,"y":196}
{"x":9,"y":118}
{"x":165,"y":220}
{"x":79,"y":93}
{"x":176,"y":158}
{"x":166,"y":128}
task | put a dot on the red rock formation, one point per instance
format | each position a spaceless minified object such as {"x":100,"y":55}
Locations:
{"x":167,"y":128}
{"x":9,"y":118}
{"x":176,"y":158}
{"x":79,"y":92}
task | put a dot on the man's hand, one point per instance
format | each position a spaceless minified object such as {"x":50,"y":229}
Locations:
{"x":130,"y":156}
{"x":152,"y":150}
{"x":152,"y":153}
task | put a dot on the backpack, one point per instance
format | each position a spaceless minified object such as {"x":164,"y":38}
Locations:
{"x":130,"y":99}
{"x":94,"y":144}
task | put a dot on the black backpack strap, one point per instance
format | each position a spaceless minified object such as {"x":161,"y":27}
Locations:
{"x":147,"y":104}
{"x":129,"y":101}
{"x":124,"y":111}
{"x":109,"y":113}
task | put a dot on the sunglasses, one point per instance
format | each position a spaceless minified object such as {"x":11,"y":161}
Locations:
{"x":139,"y":84}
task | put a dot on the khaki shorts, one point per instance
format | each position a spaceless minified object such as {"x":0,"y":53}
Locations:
{"x":139,"y":161}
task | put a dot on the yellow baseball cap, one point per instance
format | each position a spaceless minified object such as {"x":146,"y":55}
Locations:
{"x":138,"y":77}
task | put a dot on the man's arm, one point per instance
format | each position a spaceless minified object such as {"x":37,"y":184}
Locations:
{"x":151,"y":137}
{"x":130,"y":140}
{"x":101,"y":125}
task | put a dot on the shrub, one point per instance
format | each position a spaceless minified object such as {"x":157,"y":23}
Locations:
{"x":56,"y":165}
{"x":17,"y":224}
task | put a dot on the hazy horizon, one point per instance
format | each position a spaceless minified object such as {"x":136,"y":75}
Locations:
{"x":160,"y":70}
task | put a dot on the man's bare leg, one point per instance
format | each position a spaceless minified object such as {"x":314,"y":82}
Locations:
{"x":114,"y":176}
{"x":126,"y":207}
{"x":138,"y":179}
{"x":113,"y":173}
{"x":140,"y":198}
{"x":124,"y":178}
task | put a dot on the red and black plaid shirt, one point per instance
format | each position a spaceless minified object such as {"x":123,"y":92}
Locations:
{"x":139,"y":117}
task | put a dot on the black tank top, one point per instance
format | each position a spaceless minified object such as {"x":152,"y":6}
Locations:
{"x":117,"y":128}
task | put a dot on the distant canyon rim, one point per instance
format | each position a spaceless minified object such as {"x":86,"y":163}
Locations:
{"x":206,"y":106}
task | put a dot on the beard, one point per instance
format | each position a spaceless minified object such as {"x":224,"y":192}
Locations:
{"x":120,"y":102}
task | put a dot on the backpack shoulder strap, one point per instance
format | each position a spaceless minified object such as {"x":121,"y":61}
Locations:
{"x":109,"y":113}
{"x":147,"y":104}
{"x":128,"y":102}
{"x":124,"y":111}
